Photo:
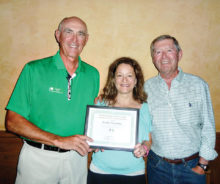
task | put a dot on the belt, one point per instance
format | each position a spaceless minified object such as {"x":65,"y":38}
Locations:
{"x":179,"y":161}
{"x":45,"y":147}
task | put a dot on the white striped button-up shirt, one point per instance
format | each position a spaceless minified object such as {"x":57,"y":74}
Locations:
{"x":182,"y":117}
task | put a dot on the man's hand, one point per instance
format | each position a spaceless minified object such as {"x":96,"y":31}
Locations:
{"x":198,"y":170}
{"x":75,"y":142}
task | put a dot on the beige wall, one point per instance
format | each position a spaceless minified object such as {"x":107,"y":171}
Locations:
{"x":117,"y":28}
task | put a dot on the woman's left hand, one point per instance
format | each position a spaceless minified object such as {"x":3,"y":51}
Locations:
{"x":139,"y":150}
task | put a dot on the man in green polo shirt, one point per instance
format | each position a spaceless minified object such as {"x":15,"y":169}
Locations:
{"x":47,"y":108}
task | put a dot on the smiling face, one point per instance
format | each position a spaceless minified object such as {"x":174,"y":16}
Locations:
{"x":166,"y":57}
{"x":125,"y":79}
{"x":72,"y":37}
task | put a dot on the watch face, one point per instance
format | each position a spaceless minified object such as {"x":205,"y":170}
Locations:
{"x":204,"y":167}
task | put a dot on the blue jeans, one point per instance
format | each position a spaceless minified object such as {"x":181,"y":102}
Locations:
{"x":160,"y":171}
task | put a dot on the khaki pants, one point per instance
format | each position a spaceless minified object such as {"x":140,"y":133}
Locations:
{"x":38,"y":166}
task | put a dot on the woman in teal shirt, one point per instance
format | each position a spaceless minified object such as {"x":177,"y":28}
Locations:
{"x":124,"y":88}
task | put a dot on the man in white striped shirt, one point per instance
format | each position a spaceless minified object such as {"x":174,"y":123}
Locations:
{"x":182,"y":117}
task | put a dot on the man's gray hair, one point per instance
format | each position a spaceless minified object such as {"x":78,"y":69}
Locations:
{"x":164,"y":37}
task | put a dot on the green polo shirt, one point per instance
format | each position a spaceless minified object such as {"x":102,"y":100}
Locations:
{"x":40,"y":95}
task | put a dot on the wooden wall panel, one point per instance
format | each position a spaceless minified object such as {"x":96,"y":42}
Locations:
{"x":215,"y":165}
{"x":10,"y":146}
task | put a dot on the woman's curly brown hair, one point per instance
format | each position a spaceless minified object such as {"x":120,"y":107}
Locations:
{"x":110,"y":92}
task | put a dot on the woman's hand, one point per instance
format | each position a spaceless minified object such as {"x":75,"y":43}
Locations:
{"x":139,"y":150}
{"x":142,"y":150}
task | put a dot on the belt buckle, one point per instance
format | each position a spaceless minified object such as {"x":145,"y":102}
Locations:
{"x":59,"y":150}
{"x":42,"y":147}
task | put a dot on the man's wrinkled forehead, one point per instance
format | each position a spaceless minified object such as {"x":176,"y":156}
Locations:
{"x":66,"y":22}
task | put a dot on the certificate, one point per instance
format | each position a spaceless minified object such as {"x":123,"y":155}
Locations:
{"x":112,"y":127}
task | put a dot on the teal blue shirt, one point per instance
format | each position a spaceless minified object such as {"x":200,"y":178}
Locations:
{"x":124,"y":162}
{"x":40,"y":95}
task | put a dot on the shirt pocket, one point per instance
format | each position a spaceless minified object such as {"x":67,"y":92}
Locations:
{"x":188,"y":109}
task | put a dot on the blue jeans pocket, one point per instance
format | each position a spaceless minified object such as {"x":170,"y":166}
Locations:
{"x":153,"y":160}
{"x":191,"y":164}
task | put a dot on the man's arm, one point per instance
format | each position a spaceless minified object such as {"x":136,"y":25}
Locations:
{"x":208,"y":132}
{"x":19,"y":125}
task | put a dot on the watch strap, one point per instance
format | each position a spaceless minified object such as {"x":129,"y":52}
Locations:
{"x":203,"y":166}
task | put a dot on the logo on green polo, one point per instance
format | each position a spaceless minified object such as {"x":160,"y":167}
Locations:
{"x":55,"y":90}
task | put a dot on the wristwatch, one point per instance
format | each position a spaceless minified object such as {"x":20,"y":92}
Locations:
{"x":203,"y":166}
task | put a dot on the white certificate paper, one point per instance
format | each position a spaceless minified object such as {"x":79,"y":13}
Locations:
{"x":112,"y":127}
